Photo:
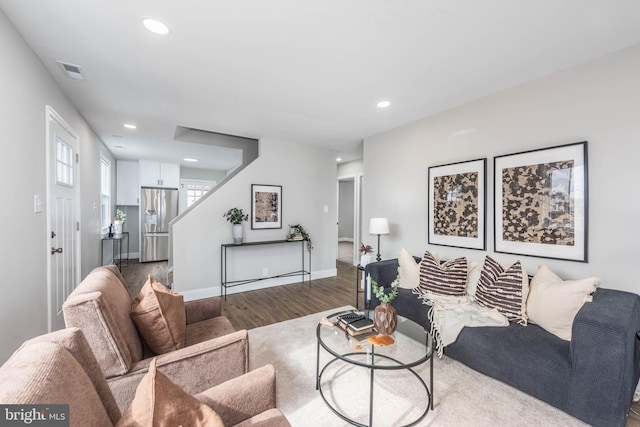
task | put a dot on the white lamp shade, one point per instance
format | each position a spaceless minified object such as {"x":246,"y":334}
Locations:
{"x":379,"y":226}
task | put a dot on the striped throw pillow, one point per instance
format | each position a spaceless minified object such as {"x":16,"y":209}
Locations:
{"x":448,"y":279}
{"x":505,"y":289}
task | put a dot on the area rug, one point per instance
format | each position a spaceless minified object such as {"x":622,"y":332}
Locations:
{"x":462,"y":396}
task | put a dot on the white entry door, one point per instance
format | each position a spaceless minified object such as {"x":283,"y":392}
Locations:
{"x":62,"y":216}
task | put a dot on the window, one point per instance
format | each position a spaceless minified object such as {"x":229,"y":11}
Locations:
{"x":193,"y":190}
{"x":105,"y":191}
{"x":64,"y":163}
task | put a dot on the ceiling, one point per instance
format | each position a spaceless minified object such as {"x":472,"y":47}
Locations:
{"x":308,"y":72}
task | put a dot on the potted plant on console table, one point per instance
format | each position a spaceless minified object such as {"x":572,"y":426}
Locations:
{"x":236,"y":216}
{"x":297,"y":232}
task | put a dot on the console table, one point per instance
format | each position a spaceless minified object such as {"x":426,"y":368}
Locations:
{"x":225,"y":283}
{"x":116,"y":238}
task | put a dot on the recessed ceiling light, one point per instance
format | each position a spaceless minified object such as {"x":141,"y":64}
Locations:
{"x":383,"y":104}
{"x":155,"y":26}
{"x":130,"y":126}
{"x":187,"y":159}
{"x":339,"y":159}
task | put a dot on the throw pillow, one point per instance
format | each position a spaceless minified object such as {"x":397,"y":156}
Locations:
{"x":159,"y":402}
{"x":448,"y":279}
{"x":473,"y":276}
{"x":159,"y":315}
{"x":408,"y":270}
{"x":504,"y":289}
{"x":553,"y":303}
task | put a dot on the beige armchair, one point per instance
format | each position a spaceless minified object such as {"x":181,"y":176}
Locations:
{"x":100,"y":307}
{"x":59,"y":368}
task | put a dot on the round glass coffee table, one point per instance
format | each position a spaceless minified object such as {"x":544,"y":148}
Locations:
{"x":393,"y":374}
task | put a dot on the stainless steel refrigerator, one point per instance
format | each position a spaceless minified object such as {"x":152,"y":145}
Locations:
{"x":159,"y":207}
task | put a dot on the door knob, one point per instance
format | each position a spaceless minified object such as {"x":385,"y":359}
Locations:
{"x":56,"y":251}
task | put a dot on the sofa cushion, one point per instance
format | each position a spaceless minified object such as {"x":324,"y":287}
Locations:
{"x":159,"y":315}
{"x":408,"y":270}
{"x":505,"y":289}
{"x":46,"y":373}
{"x":159,"y":402}
{"x":208,"y":329}
{"x":553,"y":303}
{"x":448,"y":279}
{"x":526,"y":357}
{"x":100,"y":307}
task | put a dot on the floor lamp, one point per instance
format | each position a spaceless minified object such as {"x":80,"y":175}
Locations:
{"x":379,"y":226}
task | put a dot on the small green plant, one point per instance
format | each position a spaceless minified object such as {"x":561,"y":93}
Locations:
{"x":380,"y":293}
{"x":298,"y":230}
{"x":120,"y":216}
{"x":235,"y":216}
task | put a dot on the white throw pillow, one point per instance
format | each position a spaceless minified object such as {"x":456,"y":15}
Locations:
{"x":408,"y":270}
{"x":553,"y":303}
{"x":474,"y":268}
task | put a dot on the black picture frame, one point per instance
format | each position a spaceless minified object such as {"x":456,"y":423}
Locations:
{"x":266,"y":206}
{"x":541,"y":202}
{"x":457,"y":203}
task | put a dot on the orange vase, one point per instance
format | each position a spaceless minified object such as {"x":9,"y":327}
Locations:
{"x":385,"y":319}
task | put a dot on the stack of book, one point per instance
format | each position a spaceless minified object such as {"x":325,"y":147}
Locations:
{"x":355,"y":324}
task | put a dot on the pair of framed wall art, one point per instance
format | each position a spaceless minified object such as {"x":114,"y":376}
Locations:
{"x":539,"y":203}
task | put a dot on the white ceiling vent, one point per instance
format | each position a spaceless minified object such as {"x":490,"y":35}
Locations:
{"x":71,"y":71}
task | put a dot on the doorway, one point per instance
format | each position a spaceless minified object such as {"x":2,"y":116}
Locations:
{"x":63,"y":264}
{"x":349,"y":218}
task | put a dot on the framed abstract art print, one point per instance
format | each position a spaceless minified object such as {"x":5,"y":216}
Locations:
{"x":457,"y":204}
{"x":541,"y":202}
{"x":266,"y":206}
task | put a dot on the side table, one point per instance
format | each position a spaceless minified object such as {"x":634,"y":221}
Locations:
{"x":117,"y":261}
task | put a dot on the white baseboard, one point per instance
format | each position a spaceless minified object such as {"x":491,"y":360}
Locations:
{"x":345,"y":239}
{"x":262,"y":284}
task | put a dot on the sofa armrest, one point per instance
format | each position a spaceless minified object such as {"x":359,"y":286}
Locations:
{"x":243,"y":397}
{"x":605,"y":357}
{"x":195,"y":368}
{"x":203,"y":309}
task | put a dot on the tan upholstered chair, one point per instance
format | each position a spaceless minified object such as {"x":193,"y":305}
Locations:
{"x":100,"y":307}
{"x":59,"y":368}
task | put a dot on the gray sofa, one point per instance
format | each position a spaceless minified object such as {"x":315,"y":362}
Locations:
{"x":592,"y":377}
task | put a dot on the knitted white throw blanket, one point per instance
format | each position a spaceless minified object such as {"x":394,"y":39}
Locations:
{"x":449,"y":316}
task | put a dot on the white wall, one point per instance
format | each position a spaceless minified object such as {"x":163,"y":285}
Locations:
{"x":307,"y":175}
{"x":598,"y":102}
{"x":352,"y":168}
{"x":26,"y":89}
{"x":203,"y":174}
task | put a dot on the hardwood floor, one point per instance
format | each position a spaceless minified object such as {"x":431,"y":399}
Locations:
{"x":262,"y":307}
{"x":135,"y":274}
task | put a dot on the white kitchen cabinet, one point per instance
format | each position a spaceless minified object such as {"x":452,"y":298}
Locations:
{"x":127,"y":183}
{"x":158,"y":174}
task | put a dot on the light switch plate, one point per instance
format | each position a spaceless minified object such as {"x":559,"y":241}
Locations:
{"x":37,"y":204}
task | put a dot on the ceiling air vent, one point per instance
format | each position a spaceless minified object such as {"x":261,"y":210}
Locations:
{"x":71,"y":71}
